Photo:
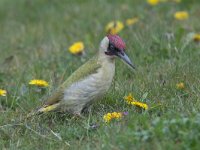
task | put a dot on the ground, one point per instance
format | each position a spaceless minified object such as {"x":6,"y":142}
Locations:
{"x":34,"y":41}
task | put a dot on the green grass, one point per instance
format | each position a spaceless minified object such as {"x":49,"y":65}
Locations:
{"x":34,"y":40}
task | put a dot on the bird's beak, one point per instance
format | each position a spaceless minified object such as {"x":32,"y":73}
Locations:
{"x":125,"y":59}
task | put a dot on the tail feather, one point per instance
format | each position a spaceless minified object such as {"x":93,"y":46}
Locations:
{"x":48,"y":108}
{"x":44,"y":109}
{"x":41,"y":110}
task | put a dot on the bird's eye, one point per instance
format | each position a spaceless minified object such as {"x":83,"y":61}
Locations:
{"x":111,"y":47}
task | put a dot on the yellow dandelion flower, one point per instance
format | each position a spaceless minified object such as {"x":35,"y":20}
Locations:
{"x":118,"y":115}
{"x":131,"y":21}
{"x":3,"y":92}
{"x":129,"y":98}
{"x":76,"y":48}
{"x":153,"y":2}
{"x":107,"y":117}
{"x":139,"y":104}
{"x":181,"y":15}
{"x":114,"y":27}
{"x":180,"y":86}
{"x":196,"y":37}
{"x":114,"y":115}
{"x":40,"y":83}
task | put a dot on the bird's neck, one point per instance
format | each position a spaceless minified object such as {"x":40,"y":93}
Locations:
{"x":107,"y":69}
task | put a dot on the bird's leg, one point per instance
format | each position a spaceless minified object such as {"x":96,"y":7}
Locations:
{"x":87,"y":109}
{"x":78,"y":115}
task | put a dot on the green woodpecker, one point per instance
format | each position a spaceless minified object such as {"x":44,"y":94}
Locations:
{"x":89,"y":82}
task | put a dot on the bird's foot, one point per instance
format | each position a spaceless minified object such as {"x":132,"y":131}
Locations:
{"x":78,"y":116}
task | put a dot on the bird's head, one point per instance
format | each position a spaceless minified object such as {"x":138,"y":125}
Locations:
{"x":112,"y":46}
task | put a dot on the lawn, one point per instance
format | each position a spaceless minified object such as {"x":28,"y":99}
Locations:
{"x":34,"y":40}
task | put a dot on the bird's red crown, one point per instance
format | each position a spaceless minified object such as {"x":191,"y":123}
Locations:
{"x":117,"y":41}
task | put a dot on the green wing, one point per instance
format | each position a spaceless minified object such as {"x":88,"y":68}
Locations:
{"x":91,"y":66}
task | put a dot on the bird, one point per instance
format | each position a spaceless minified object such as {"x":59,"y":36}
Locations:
{"x":90,"y":81}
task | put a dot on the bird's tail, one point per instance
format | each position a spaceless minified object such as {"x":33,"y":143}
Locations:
{"x":41,"y":110}
{"x":44,"y":109}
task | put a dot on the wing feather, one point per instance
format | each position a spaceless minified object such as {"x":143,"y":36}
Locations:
{"x":91,"y":66}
